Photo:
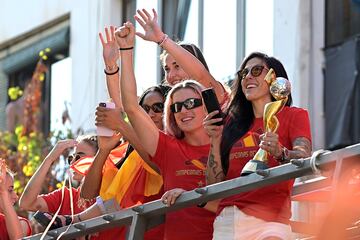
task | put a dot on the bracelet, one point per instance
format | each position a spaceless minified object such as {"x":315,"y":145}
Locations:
{"x":107,"y":73}
{"x":285,"y":156}
{"x":163,"y":40}
{"x":128,"y":48}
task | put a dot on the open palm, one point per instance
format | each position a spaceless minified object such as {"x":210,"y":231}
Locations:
{"x":150,"y":25}
{"x":110,"y":47}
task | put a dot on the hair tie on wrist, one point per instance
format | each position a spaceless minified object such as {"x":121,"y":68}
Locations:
{"x":163,"y":40}
{"x":117,"y":70}
{"x":124,"y":49}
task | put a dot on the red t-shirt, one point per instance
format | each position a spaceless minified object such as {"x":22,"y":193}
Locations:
{"x":183,"y":166}
{"x":3,"y":231}
{"x":270,"y":203}
{"x":53,"y":201}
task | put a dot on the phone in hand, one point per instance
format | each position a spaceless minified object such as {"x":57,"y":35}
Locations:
{"x":101,"y":130}
{"x":212,"y":103}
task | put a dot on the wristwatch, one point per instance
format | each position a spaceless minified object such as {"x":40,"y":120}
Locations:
{"x":285,"y":156}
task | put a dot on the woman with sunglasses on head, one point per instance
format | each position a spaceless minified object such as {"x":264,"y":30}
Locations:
{"x":180,"y":152}
{"x":261,"y":213}
{"x":180,"y":61}
{"x":112,"y":196}
{"x":33,"y":200}
{"x":11,"y":225}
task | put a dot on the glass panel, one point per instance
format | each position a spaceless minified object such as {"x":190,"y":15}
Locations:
{"x":145,"y":54}
{"x":192,"y":28}
{"x":60,"y":93}
{"x":220,"y":37}
{"x":259,"y":26}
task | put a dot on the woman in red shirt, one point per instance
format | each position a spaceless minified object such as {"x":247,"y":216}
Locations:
{"x":181,"y":152}
{"x":11,"y":226}
{"x":260,"y":213}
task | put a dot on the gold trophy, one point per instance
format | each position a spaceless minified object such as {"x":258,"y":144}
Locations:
{"x":280,"y":89}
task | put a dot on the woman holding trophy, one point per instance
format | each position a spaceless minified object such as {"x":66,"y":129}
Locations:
{"x":261,"y":130}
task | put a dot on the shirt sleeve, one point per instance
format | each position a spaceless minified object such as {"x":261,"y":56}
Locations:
{"x":53,"y":200}
{"x":3,"y":231}
{"x":299,"y":125}
{"x":28,"y":231}
{"x":160,"y":154}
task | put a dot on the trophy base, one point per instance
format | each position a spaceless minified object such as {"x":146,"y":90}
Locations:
{"x":253,"y":165}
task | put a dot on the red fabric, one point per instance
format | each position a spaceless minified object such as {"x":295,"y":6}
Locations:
{"x":175,"y":159}
{"x":3,"y":231}
{"x":117,"y":153}
{"x":136,"y":197}
{"x":271,"y":203}
{"x":53,"y":201}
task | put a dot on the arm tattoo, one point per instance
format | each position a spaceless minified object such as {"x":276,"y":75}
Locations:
{"x":214,"y":171}
{"x":301,"y":148}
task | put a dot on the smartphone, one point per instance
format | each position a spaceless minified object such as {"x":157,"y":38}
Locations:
{"x":104,"y":131}
{"x":212,"y":103}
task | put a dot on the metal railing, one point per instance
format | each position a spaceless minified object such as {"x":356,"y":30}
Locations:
{"x":143,"y":217}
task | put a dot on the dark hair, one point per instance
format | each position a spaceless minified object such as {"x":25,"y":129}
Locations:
{"x":194,"y":50}
{"x":163,"y":91}
{"x":191,"y":48}
{"x":240,"y":115}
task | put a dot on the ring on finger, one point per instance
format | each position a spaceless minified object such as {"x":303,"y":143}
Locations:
{"x":165,"y":201}
{"x":269,"y":143}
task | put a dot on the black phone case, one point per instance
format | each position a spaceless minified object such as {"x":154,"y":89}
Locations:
{"x":212,"y":103}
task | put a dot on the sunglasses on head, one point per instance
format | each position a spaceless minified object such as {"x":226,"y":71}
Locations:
{"x":189,"y":103}
{"x":255,"y":71}
{"x":156,"y":107}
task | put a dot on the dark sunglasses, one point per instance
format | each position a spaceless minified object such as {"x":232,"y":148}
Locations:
{"x":189,"y":103}
{"x":156,"y":107}
{"x":255,"y":71}
{"x":73,"y":157}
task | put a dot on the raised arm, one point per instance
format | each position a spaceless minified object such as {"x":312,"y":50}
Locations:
{"x":214,"y":169}
{"x":186,"y":60}
{"x":92,"y":181}
{"x":14,"y":227}
{"x":30,"y":199}
{"x":144,"y":127}
{"x":113,"y":118}
{"x":111,"y":56}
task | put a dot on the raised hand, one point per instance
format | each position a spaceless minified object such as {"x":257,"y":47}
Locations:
{"x":212,"y":130}
{"x":2,"y":175}
{"x":59,"y":148}
{"x":125,"y":35}
{"x":269,"y":142}
{"x":110,"y":118}
{"x":109,"y":143}
{"x":150,"y":25}
{"x":110,"y":47}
